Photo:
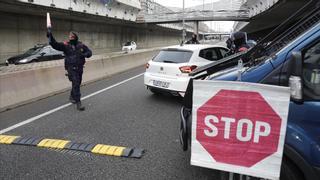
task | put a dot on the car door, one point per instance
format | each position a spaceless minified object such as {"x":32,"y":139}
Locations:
{"x":55,"y":54}
{"x":45,"y":54}
{"x":304,"y":128}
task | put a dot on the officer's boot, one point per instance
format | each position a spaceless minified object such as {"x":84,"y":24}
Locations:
{"x":72,"y":100}
{"x":80,"y":107}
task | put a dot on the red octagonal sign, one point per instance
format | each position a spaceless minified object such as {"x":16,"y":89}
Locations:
{"x":238,"y":127}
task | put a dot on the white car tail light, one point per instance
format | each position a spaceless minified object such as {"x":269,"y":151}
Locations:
{"x":187,"y":69}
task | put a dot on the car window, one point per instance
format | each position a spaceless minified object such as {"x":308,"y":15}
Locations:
{"x":32,"y":51}
{"x":173,"y":56}
{"x":311,"y":72}
{"x":46,"y":50}
{"x":209,"y":54}
{"x":223,"y":52}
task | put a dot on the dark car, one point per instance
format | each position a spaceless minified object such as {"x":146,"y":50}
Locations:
{"x":282,"y":58}
{"x":40,"y":52}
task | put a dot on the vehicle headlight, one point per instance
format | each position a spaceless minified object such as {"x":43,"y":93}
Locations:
{"x":24,"y":60}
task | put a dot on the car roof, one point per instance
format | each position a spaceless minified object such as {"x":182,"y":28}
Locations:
{"x":192,"y":47}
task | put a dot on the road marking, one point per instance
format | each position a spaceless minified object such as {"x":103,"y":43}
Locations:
{"x":64,"y":106}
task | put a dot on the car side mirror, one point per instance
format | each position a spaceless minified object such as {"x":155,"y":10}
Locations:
{"x":295,"y":77}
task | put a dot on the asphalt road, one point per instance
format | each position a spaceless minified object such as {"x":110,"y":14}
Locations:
{"x":125,"y":115}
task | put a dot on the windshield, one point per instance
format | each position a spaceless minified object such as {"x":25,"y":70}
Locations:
{"x":173,"y":56}
{"x":283,"y":35}
{"x":32,"y":51}
{"x":127,"y":44}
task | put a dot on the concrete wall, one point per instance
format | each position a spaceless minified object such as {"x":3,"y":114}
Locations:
{"x":20,"y":32}
{"x":24,"y":86}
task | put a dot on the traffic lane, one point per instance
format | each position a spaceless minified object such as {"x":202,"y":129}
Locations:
{"x":35,"y":163}
{"x":116,"y":110}
{"x":23,"y":112}
{"x":126,"y":115}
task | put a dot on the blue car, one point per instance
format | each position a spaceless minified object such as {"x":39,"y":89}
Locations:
{"x":289,"y":56}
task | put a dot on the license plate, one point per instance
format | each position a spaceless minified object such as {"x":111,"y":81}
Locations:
{"x":161,"y":84}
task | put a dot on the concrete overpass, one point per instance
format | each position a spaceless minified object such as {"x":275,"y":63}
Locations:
{"x":174,"y":17}
{"x":263,"y":23}
{"x":223,"y":10}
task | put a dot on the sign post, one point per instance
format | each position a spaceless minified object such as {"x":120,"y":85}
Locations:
{"x":239,"y":127}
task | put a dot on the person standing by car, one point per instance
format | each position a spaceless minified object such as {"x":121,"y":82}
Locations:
{"x":75,"y":54}
{"x":237,"y":42}
{"x":240,"y":41}
{"x":193,"y":40}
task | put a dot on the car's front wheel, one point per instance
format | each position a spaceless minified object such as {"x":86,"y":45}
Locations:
{"x":233,"y":176}
{"x":289,"y":171}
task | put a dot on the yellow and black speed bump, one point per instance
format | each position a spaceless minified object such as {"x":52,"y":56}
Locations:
{"x":7,"y":139}
{"x":79,"y":146}
{"x":102,"y":149}
{"x":27,"y":141}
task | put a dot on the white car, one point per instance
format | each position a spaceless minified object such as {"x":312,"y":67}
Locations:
{"x":169,"y":70}
{"x":129,"y":46}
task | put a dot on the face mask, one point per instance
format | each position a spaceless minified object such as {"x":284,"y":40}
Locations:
{"x":73,"y":42}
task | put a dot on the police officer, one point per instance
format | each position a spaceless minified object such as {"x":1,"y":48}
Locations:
{"x":237,"y":42}
{"x":240,"y":41}
{"x":193,"y":40}
{"x":75,"y":54}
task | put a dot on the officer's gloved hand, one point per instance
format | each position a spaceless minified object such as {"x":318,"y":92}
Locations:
{"x":66,"y":71}
{"x":68,"y":75}
{"x":49,"y":33}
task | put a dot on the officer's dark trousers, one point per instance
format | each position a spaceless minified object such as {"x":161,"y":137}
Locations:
{"x":75,"y":76}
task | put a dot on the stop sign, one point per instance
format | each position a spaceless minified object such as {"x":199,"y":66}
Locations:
{"x":238,"y":127}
